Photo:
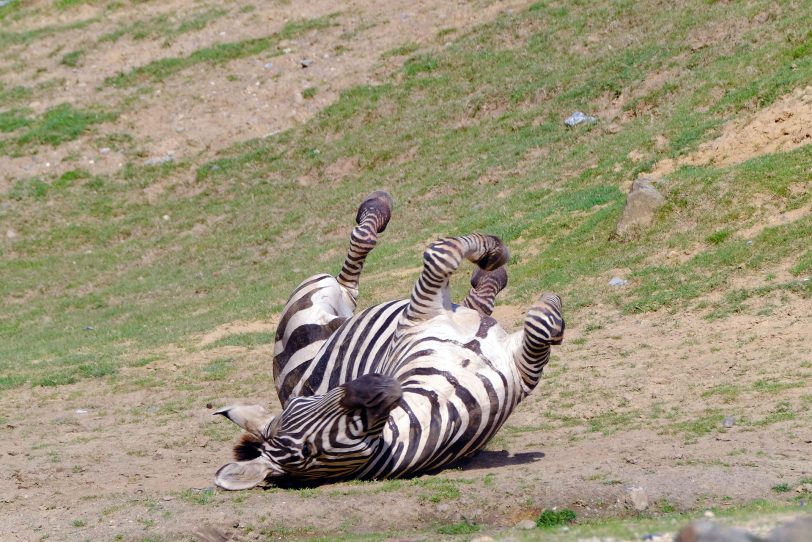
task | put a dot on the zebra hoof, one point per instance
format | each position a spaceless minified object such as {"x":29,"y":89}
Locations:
{"x":498,"y":277}
{"x":377,"y":205}
{"x":496,"y":256}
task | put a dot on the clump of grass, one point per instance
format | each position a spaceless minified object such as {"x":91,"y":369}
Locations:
{"x":218,"y":369}
{"x":72,"y":59}
{"x":309,"y":93}
{"x":781,"y":488}
{"x":555,"y":518}
{"x":13,"y":119}
{"x":463,"y":527}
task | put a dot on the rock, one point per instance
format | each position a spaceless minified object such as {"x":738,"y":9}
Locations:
{"x":579,"y":118}
{"x":641,"y":204}
{"x":158,"y":160}
{"x":209,"y":534}
{"x":799,"y":530}
{"x":708,"y":531}
{"x":804,"y":488}
{"x":306,"y":63}
{"x":482,"y":539}
{"x":268,"y":65}
{"x":526,"y":524}
{"x":637,"y":498}
{"x":10,"y":233}
{"x":729,"y":422}
{"x":105,"y":150}
{"x":617,"y":281}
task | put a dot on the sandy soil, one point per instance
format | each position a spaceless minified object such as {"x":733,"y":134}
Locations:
{"x":628,"y":401}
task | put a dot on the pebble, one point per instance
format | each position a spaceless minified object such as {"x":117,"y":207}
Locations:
{"x":104,"y":150}
{"x":306,"y":63}
{"x":482,"y":539}
{"x":637,"y":498}
{"x":10,"y":233}
{"x":268,"y":65}
{"x":729,"y":422}
{"x":158,"y":160}
{"x":579,"y":118}
{"x":526,"y":524}
{"x":617,"y":281}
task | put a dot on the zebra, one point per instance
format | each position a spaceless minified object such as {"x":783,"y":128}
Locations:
{"x":401,"y":388}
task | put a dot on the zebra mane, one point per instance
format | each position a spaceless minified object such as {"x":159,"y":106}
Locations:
{"x":249,"y":447}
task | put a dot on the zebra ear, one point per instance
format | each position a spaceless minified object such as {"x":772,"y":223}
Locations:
{"x":243,"y":474}
{"x":377,"y":394}
{"x":253,"y":418}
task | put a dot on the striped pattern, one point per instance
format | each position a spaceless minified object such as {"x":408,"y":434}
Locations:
{"x":401,"y":388}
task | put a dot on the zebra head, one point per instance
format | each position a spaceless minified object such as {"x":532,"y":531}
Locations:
{"x":326,"y":436}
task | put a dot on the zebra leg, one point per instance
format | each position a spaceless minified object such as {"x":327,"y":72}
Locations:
{"x":484,"y":287}
{"x":430,"y":293}
{"x":373,"y":216}
{"x":543,"y":327}
{"x":319,"y":305}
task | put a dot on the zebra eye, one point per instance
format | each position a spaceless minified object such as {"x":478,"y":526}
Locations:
{"x":306,"y":450}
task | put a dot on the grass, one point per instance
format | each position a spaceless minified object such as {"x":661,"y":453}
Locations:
{"x":456,"y":135}
{"x":159,"y":70}
{"x":555,"y":518}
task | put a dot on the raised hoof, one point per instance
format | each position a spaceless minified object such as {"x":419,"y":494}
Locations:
{"x":496,"y":256}
{"x":378,"y":205}
{"x":498,"y":277}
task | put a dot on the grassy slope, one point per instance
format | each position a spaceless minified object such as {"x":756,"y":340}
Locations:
{"x":98,"y":275}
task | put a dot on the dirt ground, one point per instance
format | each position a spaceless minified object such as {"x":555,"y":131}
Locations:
{"x":628,"y":400}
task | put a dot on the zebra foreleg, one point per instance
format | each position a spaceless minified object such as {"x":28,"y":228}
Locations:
{"x":543,"y":327}
{"x":430,"y":293}
{"x":485,"y":285}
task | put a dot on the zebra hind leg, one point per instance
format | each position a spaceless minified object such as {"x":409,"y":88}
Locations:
{"x":430,"y":294}
{"x":372,"y":217}
{"x":485,"y":285}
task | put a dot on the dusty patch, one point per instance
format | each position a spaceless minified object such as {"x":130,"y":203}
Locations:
{"x":236,"y":328}
{"x":784,"y":126}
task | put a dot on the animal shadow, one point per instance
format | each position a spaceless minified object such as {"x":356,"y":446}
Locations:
{"x":490,"y":459}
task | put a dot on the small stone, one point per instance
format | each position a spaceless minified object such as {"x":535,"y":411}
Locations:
{"x":637,"y":498}
{"x":10,"y":233}
{"x":729,"y":422}
{"x":443,"y":507}
{"x":268,"y":65}
{"x":80,"y":411}
{"x":709,"y":514}
{"x":209,"y":405}
{"x":617,"y":281}
{"x":159,"y":160}
{"x":804,"y":488}
{"x":482,"y":539}
{"x":306,"y":63}
{"x":168,"y":497}
{"x":89,"y":328}
{"x":526,"y":524}
{"x":166,"y":217}
{"x":105,"y":150}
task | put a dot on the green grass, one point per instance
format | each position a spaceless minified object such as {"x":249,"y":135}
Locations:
{"x":220,"y":53}
{"x":57,"y":125}
{"x":248,"y":340}
{"x":469,"y":137}
{"x":555,"y":518}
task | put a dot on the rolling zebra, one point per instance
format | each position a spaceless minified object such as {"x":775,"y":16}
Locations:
{"x":400,"y":388}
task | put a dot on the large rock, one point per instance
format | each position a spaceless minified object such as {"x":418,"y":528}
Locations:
{"x":709,"y":531}
{"x":641,"y":204}
{"x":799,"y":530}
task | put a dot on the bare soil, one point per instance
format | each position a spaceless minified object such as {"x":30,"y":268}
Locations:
{"x":628,"y":400}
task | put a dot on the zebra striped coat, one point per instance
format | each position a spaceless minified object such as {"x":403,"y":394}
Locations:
{"x":400,"y":388}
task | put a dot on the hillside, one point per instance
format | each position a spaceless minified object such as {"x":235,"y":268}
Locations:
{"x":170,"y":172}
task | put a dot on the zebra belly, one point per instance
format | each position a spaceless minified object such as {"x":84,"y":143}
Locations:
{"x":459,"y":387}
{"x":356,"y":348}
